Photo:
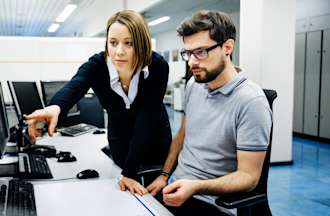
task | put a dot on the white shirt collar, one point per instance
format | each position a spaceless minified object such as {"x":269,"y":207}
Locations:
{"x":116,"y":86}
{"x":114,"y":73}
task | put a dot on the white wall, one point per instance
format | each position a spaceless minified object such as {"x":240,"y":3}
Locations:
{"x":267,"y":38}
{"x":312,"y":15}
{"x":34,"y":58}
{"x":168,"y":41}
{"x":311,"y":8}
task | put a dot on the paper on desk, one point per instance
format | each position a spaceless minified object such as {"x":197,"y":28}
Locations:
{"x":88,"y":197}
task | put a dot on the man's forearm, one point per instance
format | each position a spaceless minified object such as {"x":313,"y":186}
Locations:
{"x":231,"y":183}
{"x":245,"y":178}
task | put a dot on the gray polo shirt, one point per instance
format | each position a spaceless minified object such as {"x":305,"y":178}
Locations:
{"x":218,"y":123}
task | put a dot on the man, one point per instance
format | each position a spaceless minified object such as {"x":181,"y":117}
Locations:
{"x":222,"y":143}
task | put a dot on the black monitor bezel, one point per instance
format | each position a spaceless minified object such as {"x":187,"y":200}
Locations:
{"x":11,"y":85}
{"x":3,"y":121}
{"x":43,"y":83}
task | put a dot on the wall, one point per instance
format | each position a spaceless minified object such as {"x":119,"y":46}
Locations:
{"x":34,"y":58}
{"x":168,"y":41}
{"x":312,"y":15}
{"x":267,"y":37}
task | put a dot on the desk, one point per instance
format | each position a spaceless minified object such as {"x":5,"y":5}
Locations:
{"x":51,"y":198}
{"x":87,"y":149}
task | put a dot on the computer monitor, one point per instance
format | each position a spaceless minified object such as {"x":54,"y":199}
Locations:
{"x":25,"y":96}
{"x":50,"y":88}
{"x":4,"y":131}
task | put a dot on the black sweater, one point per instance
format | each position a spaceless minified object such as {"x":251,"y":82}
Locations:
{"x":137,"y":136}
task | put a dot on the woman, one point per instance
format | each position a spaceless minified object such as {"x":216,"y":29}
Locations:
{"x":130,"y":81}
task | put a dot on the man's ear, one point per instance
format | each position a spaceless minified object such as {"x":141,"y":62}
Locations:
{"x":228,"y":46}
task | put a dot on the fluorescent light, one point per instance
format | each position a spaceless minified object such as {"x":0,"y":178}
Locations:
{"x":66,"y":12}
{"x":53,"y":27}
{"x":159,"y":20}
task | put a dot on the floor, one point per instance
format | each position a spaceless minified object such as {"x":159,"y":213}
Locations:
{"x":299,"y":189}
{"x":304,"y":187}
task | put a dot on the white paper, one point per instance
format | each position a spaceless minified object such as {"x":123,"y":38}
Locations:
{"x":87,"y":197}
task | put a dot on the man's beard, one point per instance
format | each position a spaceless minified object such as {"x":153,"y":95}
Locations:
{"x":209,"y":75}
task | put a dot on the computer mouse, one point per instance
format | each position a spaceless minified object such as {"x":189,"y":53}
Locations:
{"x":66,"y":158}
{"x":88,"y":173}
{"x":99,"y":132}
{"x":47,"y":151}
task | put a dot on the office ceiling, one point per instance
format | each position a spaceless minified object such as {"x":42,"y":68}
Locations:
{"x":33,"y":17}
{"x":180,"y":9}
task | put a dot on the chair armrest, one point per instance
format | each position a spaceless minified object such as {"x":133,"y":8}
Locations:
{"x":150,"y":170}
{"x":147,"y":174}
{"x":241,"y":200}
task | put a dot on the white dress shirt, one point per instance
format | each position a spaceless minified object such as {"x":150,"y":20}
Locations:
{"x":133,"y":87}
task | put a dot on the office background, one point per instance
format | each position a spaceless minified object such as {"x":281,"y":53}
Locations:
{"x":267,"y":50}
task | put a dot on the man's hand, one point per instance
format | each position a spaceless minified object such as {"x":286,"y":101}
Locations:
{"x":131,"y":185}
{"x":48,"y":115}
{"x":159,"y":183}
{"x":179,"y":191}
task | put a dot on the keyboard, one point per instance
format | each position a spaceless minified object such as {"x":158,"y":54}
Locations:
{"x":32,"y":166}
{"x":17,"y":198}
{"x":76,"y":130}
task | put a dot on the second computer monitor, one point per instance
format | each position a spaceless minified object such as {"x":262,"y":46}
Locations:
{"x":50,"y":88}
{"x":25,"y":96}
{"x":4,"y":131}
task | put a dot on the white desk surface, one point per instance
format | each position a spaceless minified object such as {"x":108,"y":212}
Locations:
{"x":67,"y":195}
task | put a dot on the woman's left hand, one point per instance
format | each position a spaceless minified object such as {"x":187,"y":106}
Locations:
{"x":131,"y":185}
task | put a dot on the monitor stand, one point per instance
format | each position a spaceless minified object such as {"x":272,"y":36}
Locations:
{"x":21,"y":138}
{"x":23,"y":144}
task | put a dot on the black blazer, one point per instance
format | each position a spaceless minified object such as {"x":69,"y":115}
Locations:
{"x":137,"y":136}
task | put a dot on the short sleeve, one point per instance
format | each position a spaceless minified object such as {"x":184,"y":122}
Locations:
{"x":254,"y":125}
{"x":187,"y":93}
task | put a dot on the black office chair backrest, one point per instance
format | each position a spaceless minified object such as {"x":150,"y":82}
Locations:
{"x":91,"y":111}
{"x":254,"y":202}
{"x":262,"y":185}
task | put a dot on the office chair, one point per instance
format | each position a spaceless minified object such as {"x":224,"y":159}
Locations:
{"x":91,"y":111}
{"x":256,"y":201}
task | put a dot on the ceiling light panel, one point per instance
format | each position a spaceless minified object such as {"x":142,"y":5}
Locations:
{"x":33,"y":17}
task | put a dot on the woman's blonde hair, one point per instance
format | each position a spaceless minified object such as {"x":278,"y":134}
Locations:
{"x":140,"y":34}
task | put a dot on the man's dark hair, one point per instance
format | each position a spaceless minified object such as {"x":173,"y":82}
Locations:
{"x":219,"y":25}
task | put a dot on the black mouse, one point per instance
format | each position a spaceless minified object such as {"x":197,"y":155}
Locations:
{"x":99,"y":132}
{"x":47,"y":151}
{"x":88,"y":173}
{"x":66,"y":157}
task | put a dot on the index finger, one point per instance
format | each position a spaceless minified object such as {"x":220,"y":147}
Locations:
{"x":36,"y":115}
{"x":51,"y":127}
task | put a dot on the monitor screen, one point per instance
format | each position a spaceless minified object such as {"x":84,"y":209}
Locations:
{"x":25,"y":96}
{"x":50,"y":88}
{"x":4,"y":131}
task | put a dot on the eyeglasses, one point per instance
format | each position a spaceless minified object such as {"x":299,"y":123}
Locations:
{"x":200,"y":53}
